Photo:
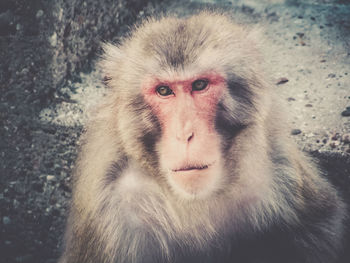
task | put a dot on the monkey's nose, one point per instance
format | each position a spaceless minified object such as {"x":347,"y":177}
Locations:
{"x":185,"y":132}
{"x":185,"y":137}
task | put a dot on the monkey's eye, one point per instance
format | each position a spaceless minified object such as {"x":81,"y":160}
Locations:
{"x":164,"y":91}
{"x":199,"y":84}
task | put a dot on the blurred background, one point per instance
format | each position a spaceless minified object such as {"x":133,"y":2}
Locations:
{"x":48,"y":83}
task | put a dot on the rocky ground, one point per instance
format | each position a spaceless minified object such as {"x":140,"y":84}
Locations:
{"x":307,"y":50}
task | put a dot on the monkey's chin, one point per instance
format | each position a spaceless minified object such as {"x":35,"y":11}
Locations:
{"x":195,"y":183}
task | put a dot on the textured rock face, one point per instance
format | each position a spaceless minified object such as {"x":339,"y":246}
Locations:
{"x":69,"y":32}
{"x":80,"y":25}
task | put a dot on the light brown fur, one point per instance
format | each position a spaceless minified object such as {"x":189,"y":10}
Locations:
{"x":131,"y":214}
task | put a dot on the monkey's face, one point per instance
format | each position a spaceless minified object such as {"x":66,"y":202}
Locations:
{"x":199,"y":90}
{"x":189,"y":147}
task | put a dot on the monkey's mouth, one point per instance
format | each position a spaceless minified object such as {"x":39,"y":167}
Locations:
{"x":192,"y":167}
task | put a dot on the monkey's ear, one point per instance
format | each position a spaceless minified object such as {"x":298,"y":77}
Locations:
{"x":111,"y":59}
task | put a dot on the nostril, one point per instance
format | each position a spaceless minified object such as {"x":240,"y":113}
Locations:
{"x":190,"y":136}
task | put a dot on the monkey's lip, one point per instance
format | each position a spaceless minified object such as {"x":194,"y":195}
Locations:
{"x":192,"y":167}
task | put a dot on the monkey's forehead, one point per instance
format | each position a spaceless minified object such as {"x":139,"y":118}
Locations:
{"x":202,"y":40}
{"x":182,"y":48}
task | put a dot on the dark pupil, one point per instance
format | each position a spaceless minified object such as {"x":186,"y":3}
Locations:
{"x":164,"y":91}
{"x":199,"y":84}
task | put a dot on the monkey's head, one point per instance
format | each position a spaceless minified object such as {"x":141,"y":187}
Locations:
{"x":183,"y":90}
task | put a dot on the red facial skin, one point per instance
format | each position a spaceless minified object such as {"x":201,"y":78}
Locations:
{"x":190,"y":146}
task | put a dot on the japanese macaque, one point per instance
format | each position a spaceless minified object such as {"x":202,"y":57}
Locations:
{"x":188,"y":158}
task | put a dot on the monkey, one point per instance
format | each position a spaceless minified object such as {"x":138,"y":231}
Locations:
{"x":188,"y":158}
